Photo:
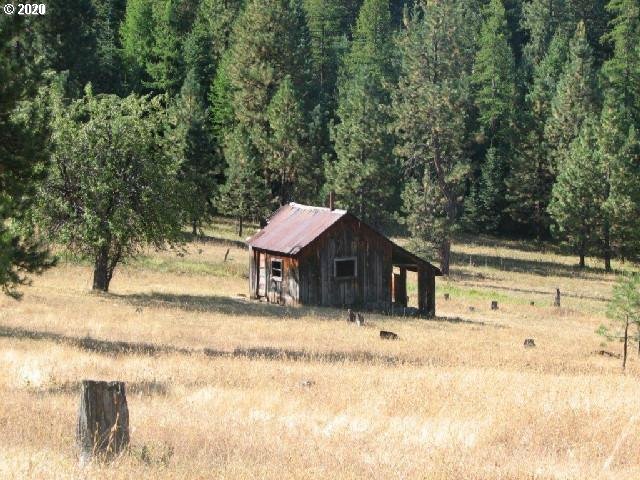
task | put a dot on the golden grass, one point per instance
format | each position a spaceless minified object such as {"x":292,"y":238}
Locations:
{"x":459,"y":397}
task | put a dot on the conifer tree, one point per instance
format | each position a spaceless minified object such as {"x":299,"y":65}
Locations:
{"x":580,"y":192}
{"x":271,"y":42}
{"x":494,"y":82}
{"x":531,"y":175}
{"x":363,"y":174}
{"x":201,"y":167}
{"x":137,"y":38}
{"x":245,"y":195}
{"x":166,"y":64}
{"x":575,"y":97}
{"x":21,"y":156}
{"x":431,"y":105}
{"x":287,"y":155}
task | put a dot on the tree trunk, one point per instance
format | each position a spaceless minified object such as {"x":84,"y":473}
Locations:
{"x":194,"y":228}
{"x":581,"y":252}
{"x":240,"y":222}
{"x":626,"y":340}
{"x":607,"y":247}
{"x":101,"y":275}
{"x":103,"y":420}
{"x":445,"y":256}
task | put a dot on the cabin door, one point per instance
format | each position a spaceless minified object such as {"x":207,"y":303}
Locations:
{"x":262,"y":276}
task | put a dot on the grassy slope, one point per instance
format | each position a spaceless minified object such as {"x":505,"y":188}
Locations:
{"x":455,"y":398}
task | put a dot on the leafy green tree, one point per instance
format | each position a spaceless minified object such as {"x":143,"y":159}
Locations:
{"x":575,"y":98}
{"x":111,"y":188}
{"x":21,"y":156}
{"x":364,"y":175}
{"x":431,"y":106}
{"x":244,"y":195}
{"x":287,"y":156}
{"x":579,"y":193}
{"x":201,"y":168}
{"x":624,"y":311}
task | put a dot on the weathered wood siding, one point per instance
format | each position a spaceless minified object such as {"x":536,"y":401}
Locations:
{"x":371,"y":287}
{"x":284,"y":291}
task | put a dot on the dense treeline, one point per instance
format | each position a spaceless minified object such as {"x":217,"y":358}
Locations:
{"x":510,"y":117}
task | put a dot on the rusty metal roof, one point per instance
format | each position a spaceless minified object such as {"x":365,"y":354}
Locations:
{"x":293,"y":227}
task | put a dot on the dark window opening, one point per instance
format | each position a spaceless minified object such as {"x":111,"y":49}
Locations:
{"x":345,"y":267}
{"x":276,"y":269}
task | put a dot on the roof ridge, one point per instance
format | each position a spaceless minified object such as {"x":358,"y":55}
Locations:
{"x":313,"y":207}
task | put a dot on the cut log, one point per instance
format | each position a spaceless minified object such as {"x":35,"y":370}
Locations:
{"x":103,"y":420}
{"x":388,"y":335}
{"x":494,"y":305}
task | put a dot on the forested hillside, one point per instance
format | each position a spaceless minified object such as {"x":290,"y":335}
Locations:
{"x":508,"y":117}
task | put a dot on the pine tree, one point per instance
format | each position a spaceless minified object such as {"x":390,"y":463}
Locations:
{"x":244,"y":195}
{"x":22,"y":149}
{"x":363,"y":174}
{"x":622,"y":71}
{"x":137,"y":38}
{"x":575,"y":98}
{"x":210,"y":38}
{"x":109,"y":68}
{"x":579,"y":193}
{"x":494,"y":82}
{"x":431,"y":105}
{"x":542,"y":20}
{"x":201,"y":168}
{"x":166,"y":64}
{"x":271,"y":42}
{"x":287,"y":156}
{"x":531,"y":175}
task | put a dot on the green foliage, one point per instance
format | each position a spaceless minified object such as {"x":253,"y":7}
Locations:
{"x":494,"y":78}
{"x":431,"y":106}
{"x":575,"y":97}
{"x":364,"y":177}
{"x":271,"y":43}
{"x":137,"y":40}
{"x":624,"y":311}
{"x":21,"y":154}
{"x":580,"y":192}
{"x":487,"y":200}
{"x":201,"y":168}
{"x":286,"y":154}
{"x":245,"y":195}
{"x":111,"y":188}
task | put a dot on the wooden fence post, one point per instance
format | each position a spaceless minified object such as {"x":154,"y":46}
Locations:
{"x":103,"y":420}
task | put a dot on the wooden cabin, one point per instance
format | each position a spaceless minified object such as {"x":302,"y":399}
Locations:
{"x":323,"y":256}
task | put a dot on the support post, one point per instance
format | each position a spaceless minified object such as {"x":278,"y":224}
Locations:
{"x":103,"y":420}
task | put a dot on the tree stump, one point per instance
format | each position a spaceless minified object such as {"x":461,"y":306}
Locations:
{"x":556,"y":302}
{"x":446,"y":296}
{"x":103,"y":420}
{"x":529,"y":343}
{"x":494,"y":305}
{"x":532,"y":303}
{"x":385,"y":335}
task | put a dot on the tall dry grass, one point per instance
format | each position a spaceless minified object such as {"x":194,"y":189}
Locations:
{"x":220,"y":387}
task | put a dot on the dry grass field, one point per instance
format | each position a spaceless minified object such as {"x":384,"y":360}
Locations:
{"x":220,"y":387}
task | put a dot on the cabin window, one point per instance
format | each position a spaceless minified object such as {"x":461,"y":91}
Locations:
{"x":276,"y":269}
{"x":345,"y":267}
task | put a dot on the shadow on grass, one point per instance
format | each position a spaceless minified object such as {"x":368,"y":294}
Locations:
{"x":541,"y":268}
{"x":214,"y":303}
{"x":109,"y":347}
